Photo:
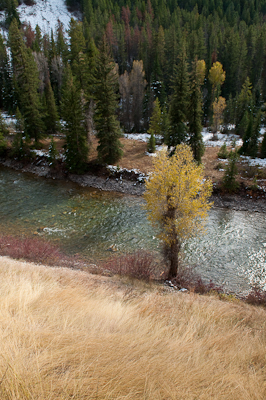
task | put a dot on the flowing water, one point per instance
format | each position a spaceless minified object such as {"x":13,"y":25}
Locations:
{"x":88,"y":222}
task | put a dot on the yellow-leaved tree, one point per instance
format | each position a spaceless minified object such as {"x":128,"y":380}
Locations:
{"x":177,"y":198}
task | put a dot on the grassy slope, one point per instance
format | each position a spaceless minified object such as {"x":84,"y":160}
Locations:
{"x":70,"y":335}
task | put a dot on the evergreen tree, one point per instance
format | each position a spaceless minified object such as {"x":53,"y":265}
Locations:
{"x":195,"y":114}
{"x":107,"y":126}
{"x":76,"y":148}
{"x":263,"y":147}
{"x":151,"y":143}
{"x":12,"y":12}
{"x":156,"y":119}
{"x":242,"y":127}
{"x":244,"y":102}
{"x":253,"y":145}
{"x":53,"y":153}
{"x":51,"y":119}
{"x":20,"y":144}
{"x":26,"y":82}
{"x":6,"y":89}
{"x":251,"y":137}
{"x":229,"y":182}
{"x":179,"y":104}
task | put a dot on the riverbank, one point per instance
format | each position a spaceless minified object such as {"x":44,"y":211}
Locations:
{"x":132,"y":182}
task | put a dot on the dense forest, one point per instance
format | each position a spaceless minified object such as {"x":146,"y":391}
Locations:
{"x":168,"y":67}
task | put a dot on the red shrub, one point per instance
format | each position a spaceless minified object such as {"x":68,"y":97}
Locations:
{"x":257,"y":297}
{"x":139,"y":265}
{"x":30,"y":249}
{"x":189,"y":279}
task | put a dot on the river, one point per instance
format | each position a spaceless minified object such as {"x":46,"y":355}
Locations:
{"x":88,"y":222}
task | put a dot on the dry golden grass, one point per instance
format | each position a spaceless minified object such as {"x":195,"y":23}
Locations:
{"x":70,"y":335}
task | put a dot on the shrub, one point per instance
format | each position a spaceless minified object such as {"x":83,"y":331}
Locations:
{"x":229,"y":182}
{"x":223,"y":153}
{"x":30,"y":249}
{"x":151,"y":143}
{"x":140,"y":265}
{"x":189,"y":279}
{"x":257,"y":297}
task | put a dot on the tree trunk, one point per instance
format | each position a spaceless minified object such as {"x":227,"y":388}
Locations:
{"x":171,"y":251}
{"x":174,"y":249}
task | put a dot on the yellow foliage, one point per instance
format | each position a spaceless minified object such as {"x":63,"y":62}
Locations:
{"x":201,"y":70}
{"x":177,"y":183}
{"x":219,"y":106}
{"x":217,"y":74}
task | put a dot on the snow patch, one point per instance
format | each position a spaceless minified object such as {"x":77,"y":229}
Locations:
{"x":46,"y":14}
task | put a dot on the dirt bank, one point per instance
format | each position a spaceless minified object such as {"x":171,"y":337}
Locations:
{"x":132,"y":183}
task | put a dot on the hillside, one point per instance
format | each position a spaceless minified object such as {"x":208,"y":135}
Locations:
{"x":67,"y":334}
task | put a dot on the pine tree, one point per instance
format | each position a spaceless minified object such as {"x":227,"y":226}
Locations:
{"x":51,"y":115}
{"x":195,"y":114}
{"x":229,"y":182}
{"x":53,"y":153}
{"x":253,"y":145}
{"x":6,"y":89}
{"x":263,"y":147}
{"x":20,"y":148}
{"x":26,"y":82}
{"x":250,"y":140}
{"x":107,"y":126}
{"x":11,"y":12}
{"x":241,"y":128}
{"x":77,"y":51}
{"x":156,"y":119}
{"x":179,"y":104}
{"x":151,"y":143}
{"x":76,"y":148}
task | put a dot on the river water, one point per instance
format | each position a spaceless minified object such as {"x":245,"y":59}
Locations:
{"x":88,"y":222}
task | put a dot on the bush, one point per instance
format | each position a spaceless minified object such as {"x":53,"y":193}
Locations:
{"x":257,"y":297}
{"x":223,"y":153}
{"x":229,"y":182}
{"x":187,"y":278}
{"x":30,"y":249}
{"x":140,"y":265}
{"x":151,"y":143}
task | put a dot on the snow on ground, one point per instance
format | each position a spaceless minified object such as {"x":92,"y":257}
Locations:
{"x":45,"y":13}
{"x":259,"y":162}
{"x":208,"y":139}
{"x":10,"y":120}
{"x":141,"y":137}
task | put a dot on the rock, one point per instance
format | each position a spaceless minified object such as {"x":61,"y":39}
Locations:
{"x":112,"y":248}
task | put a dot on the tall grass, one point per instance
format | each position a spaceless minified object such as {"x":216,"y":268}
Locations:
{"x":69,"y":335}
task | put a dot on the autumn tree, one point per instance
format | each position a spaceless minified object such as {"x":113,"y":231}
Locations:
{"x":217,"y":78}
{"x":219,"y":106}
{"x":177,"y":198}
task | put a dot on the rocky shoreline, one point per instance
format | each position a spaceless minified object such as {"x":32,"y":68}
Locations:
{"x":132,"y":183}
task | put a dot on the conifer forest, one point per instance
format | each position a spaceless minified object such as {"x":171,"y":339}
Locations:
{"x":166,"y":67}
